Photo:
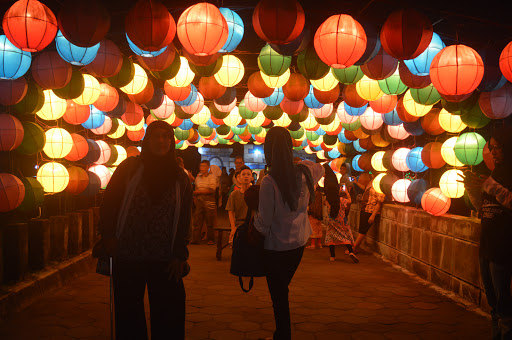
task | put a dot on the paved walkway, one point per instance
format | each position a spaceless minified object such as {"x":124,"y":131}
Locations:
{"x":329,"y":300}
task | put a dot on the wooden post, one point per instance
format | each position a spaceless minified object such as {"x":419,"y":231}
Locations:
{"x":75,"y":233}
{"x":87,"y":229}
{"x":38,"y":243}
{"x":15,"y":251}
{"x":59,"y":231}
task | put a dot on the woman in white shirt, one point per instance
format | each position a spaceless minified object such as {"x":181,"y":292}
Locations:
{"x":282,"y":218}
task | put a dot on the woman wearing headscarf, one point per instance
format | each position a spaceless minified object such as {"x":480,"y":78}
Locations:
{"x":282,"y":218}
{"x":492,"y":196}
{"x":145,"y":226}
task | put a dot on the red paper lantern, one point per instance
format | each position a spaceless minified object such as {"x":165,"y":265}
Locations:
{"x":132,"y":151}
{"x":136,"y":136}
{"x":160,"y":62}
{"x":29,"y":25}
{"x":430,"y":122}
{"x":50,"y":71}
{"x":204,"y":60}
{"x":133,"y":114}
{"x":177,"y":93}
{"x":297,"y":87}
{"x":498,"y":103}
{"x":506,"y":61}
{"x":406,"y":34}
{"x":108,"y":60}
{"x":210,"y":88}
{"x":365,"y":161}
{"x":431,"y":155}
{"x":108,"y":99}
{"x":367,"y":144}
{"x":150,"y":26}
{"x":12,"y":192}
{"x":291,"y":107}
{"x":12,"y":91}
{"x":79,"y":149}
{"x":84,"y":23}
{"x":381,"y":66}
{"x":384,"y":104}
{"x":76,"y":114}
{"x":278,"y":21}
{"x":145,"y":95}
{"x":257,"y":86}
{"x":11,"y":132}
{"x":340,"y":41}
{"x":327,"y":97}
{"x":411,"y":80}
{"x":456,"y":70}
{"x":78,"y":180}
{"x":352,"y":98}
{"x":202,"y":29}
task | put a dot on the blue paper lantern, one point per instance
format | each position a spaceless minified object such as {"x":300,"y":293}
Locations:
{"x":420,"y":65}
{"x":355,"y":164}
{"x":304,"y":143}
{"x":190,"y":99}
{"x":94,"y":185}
{"x":342,"y":138}
{"x":242,"y":125}
{"x":392,"y":118}
{"x":320,"y":131}
{"x":275,"y":98}
{"x":211,"y":124}
{"x":334,"y":153}
{"x":142,"y":53}
{"x":311,"y":101}
{"x":354,"y":111}
{"x":95,"y":120}
{"x":358,"y":147}
{"x":186,"y":124}
{"x":413,"y":160}
{"x":317,"y":148}
{"x":93,"y":153}
{"x":13,"y":62}
{"x":73,"y":54}
{"x":235,"y":29}
{"x":416,"y":190}
{"x":414,"y":128}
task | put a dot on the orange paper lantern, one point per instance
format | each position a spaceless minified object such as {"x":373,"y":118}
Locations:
{"x":297,"y":87}
{"x":12,"y":192}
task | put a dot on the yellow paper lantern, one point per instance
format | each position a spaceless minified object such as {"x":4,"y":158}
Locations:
{"x":338,"y":176}
{"x":184,"y":146}
{"x":54,"y":177}
{"x":309,"y":123}
{"x":135,"y":127}
{"x":333,"y":126}
{"x":321,"y":155}
{"x":202,"y":116}
{"x":257,"y":121}
{"x":119,"y":131}
{"x":376,"y":182}
{"x":413,"y":108}
{"x":233,"y":118}
{"x":184,"y":76}
{"x":369,"y":89}
{"x":91,"y":91}
{"x":449,"y":185}
{"x":214,"y":142}
{"x":58,"y":143}
{"x":171,"y":119}
{"x":283,"y":121}
{"x":377,"y":161}
{"x":138,"y":83}
{"x":121,"y":155}
{"x":53,"y":107}
{"x":359,"y":133}
{"x":308,"y":150}
{"x":448,"y":153}
{"x":450,"y":123}
{"x":327,"y":83}
{"x":275,"y":82}
{"x":317,"y":142}
{"x":231,"y":72}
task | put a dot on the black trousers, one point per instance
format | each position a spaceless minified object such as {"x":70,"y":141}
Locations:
{"x":166,"y":301}
{"x":280,"y":267}
{"x":332,"y":249}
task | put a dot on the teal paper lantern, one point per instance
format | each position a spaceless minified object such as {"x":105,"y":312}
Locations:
{"x":358,"y":147}
{"x":95,"y":120}
{"x":414,"y":162}
{"x":235,"y":29}
{"x":420,"y":66}
{"x":469,"y":148}
{"x":354,"y":111}
{"x":13,"y":61}
{"x":275,"y":98}
{"x":73,"y":54}
{"x":392,"y":118}
{"x":142,"y":53}
{"x":311,"y":101}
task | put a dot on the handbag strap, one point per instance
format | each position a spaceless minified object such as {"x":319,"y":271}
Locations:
{"x":251,"y":283}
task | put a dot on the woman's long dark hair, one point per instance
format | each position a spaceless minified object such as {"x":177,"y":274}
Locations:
{"x":332,"y":189}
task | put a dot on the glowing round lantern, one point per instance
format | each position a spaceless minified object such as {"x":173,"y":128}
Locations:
{"x":371,"y":120}
{"x":475,"y":118}
{"x":297,"y":87}
{"x":139,"y":125}
{"x":399,"y":159}
{"x":53,"y":107}
{"x":185,"y":75}
{"x":431,"y":155}
{"x":108,"y":98}
{"x":138,"y":83}
{"x":451,"y":183}
{"x":310,"y":65}
{"x":506,"y":61}
{"x":165,"y":110}
{"x":210,"y":88}
{"x":257,"y":120}
{"x":196,"y":106}
{"x":413,"y":108}
{"x":11,"y":132}
{"x":435,"y":202}
{"x":74,"y":88}
{"x":136,"y":135}
{"x":448,"y":152}
{"x":15,"y":62}
{"x":54,"y":177}
{"x":386,"y":103}
{"x":275,"y":98}
{"x":397,"y":131}
{"x":322,"y":112}
{"x":451,"y":123}
{"x":411,"y":80}
{"x":202,"y":29}
{"x":228,"y":107}
{"x":104,"y":128}
{"x":369,"y":89}
{"x":12,"y":91}
{"x":354,"y":111}
{"x":278,"y":22}
{"x":231,"y":71}
{"x":105,"y":152}
{"x":426,"y":96}
{"x":377,"y":161}
{"x":349,"y":75}
{"x":74,"y":54}
{"x":456,"y":70}
{"x":235,"y":29}
{"x":469,"y":148}
{"x":393,"y":84}
{"x":253,"y":103}
{"x":399,"y":190}
{"x":376,"y":183}
{"x":78,"y":180}
{"x":355,"y":163}
{"x":414,"y":160}
{"x":201,"y":117}
{"x":30,"y":25}
{"x":258,"y":87}
{"x":233,"y":119}
{"x":326,"y":83}
{"x":50,"y":71}
{"x":118,"y":128}
{"x":95,"y":120}
{"x":273,"y":82}
{"x":79,"y":148}
{"x":386,"y":183}
{"x":420,"y":65}
{"x":12,"y":192}
{"x":311,"y":100}
{"x":381,"y":66}
{"x":122,"y":154}
{"x":406,"y":34}
{"x":58,"y":143}
{"x":34,"y":138}
{"x":378,"y":141}
{"x":430,"y":123}
{"x":160,"y":62}
{"x":108,"y":60}
{"x":340,"y":41}
{"x":416,"y":190}
{"x":133,"y":114}
{"x":291,"y":107}
{"x":327,"y":97}
{"x":272,"y":63}
{"x":76,"y":114}
{"x":102,"y":172}
{"x":91,"y":92}
{"x":498,"y":103}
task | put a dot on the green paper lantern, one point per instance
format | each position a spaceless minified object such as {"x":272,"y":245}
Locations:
{"x":298,"y":133}
{"x":208,"y":70}
{"x":124,"y":76}
{"x":310,"y":65}
{"x":273,"y":112}
{"x":34,"y":139}
{"x":330,"y":139}
{"x":33,"y":100}
{"x":392,"y":85}
{"x":238,"y":130}
{"x":223,"y":130}
{"x":237,"y":139}
{"x":244,"y":112}
{"x":298,"y":148}
{"x":255,"y":130}
{"x":326,"y":120}
{"x":459,"y":108}
{"x":113,"y":156}
{"x":222,"y":140}
{"x":74,"y":88}
{"x":352,"y":126}
{"x":171,"y":71}
{"x":301,"y":116}
{"x":217,"y":113}
{"x":426,"y":96}
{"x":178,"y":111}
{"x":469,"y":148}
{"x":204,"y":131}
{"x":349,"y":75}
{"x":34,"y":195}
{"x":272,"y":63}
{"x":181,"y":134}
{"x":312,"y":136}
{"x":475,"y":118}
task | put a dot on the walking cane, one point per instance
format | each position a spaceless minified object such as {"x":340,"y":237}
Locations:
{"x":111,"y":303}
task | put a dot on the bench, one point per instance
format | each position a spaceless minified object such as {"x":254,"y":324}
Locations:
{"x":221,"y":229}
